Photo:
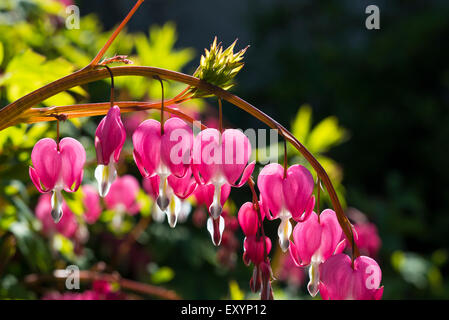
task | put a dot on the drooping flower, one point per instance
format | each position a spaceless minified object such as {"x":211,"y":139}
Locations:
{"x":367,"y":236}
{"x":109,"y":139}
{"x":256,"y":249}
{"x":91,"y":203}
{"x":56,"y":168}
{"x":315,"y":240}
{"x":286,"y":197}
{"x":205,"y":194}
{"x":176,"y":191}
{"x":290,"y":273}
{"x":368,"y":240}
{"x":123,"y":195}
{"x":220,"y":159}
{"x":163,"y":155}
{"x":122,"y":198}
{"x":340,"y":281}
{"x":248,"y":218}
{"x":67,"y":225}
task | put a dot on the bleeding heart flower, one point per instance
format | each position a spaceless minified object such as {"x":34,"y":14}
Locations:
{"x":56,"y":169}
{"x":206,"y":194}
{"x":339,"y":281}
{"x":254,"y":249}
{"x":368,"y":239}
{"x":285,"y":198}
{"x":67,"y":225}
{"x":315,"y":240}
{"x":109,"y":139}
{"x":220,"y":159}
{"x":248,"y":218}
{"x":163,"y":155}
{"x":176,"y":190}
{"x":122,"y":198}
{"x":91,"y":202}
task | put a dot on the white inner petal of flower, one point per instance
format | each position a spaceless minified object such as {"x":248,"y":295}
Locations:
{"x":215,"y":208}
{"x":105,"y":176}
{"x":314,"y":274}
{"x":173,"y":210}
{"x":284,"y":230}
{"x":211,"y":229}
{"x":56,"y":204}
{"x":163,"y":200}
{"x":158,"y":214}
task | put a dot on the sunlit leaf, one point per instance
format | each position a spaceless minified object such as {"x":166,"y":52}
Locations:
{"x":325,"y":135}
{"x":301,"y":124}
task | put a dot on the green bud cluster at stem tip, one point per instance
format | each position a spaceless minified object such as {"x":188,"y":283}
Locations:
{"x":219,"y":67}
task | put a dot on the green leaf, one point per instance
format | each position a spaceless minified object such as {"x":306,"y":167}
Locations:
{"x":235,"y":292}
{"x":325,"y":135}
{"x":29,"y":71}
{"x":162,"y":274}
{"x":301,"y":124}
{"x":64,"y":246}
{"x":1,"y":53}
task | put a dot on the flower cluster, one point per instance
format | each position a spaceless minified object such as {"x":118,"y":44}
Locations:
{"x":175,"y":165}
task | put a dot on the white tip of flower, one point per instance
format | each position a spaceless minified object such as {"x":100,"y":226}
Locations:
{"x":215,"y":208}
{"x":56,"y":205}
{"x":105,"y":176}
{"x":158,"y":214}
{"x":186,"y":208}
{"x":216,"y":228}
{"x":284,"y":232}
{"x":162,"y":202}
{"x":314,"y":275}
{"x":173,"y":210}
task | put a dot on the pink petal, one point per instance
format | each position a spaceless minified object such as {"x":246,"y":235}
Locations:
{"x":110,"y":136}
{"x":236,"y":151}
{"x":182,"y":187}
{"x":270,"y":183}
{"x":294,"y":254}
{"x":73,"y":157}
{"x":204,"y":194}
{"x":331,"y":233}
{"x":47,"y":163}
{"x":123,"y":192}
{"x":147,"y":146}
{"x":91,"y":202}
{"x":206,"y":155}
{"x":248,"y":219}
{"x":151,"y":186}
{"x":36,"y":181}
{"x":297,"y":189}
{"x":307,"y":238}
{"x":344,"y":282}
{"x":246,"y":174}
{"x":176,"y":146}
